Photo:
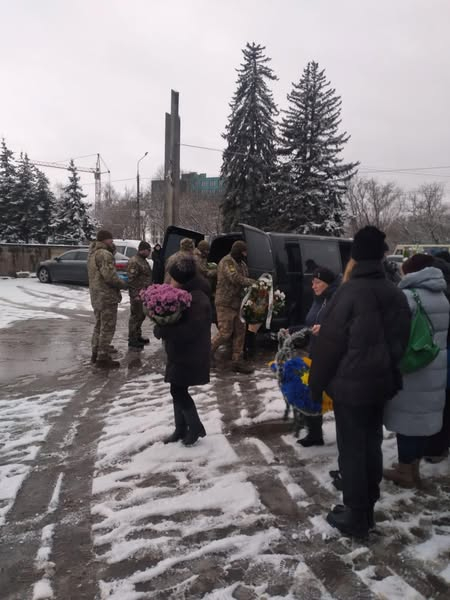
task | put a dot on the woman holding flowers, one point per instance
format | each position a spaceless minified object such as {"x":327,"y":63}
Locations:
{"x":188,"y":348}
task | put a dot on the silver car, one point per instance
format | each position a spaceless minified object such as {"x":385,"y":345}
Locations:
{"x":71,"y":267}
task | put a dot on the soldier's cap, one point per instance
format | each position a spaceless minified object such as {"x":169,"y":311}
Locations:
{"x":144,"y":246}
{"x":183,"y":269}
{"x":238,"y":248}
{"x":187,"y":245}
{"x":203,"y":246}
{"x":103,"y":235}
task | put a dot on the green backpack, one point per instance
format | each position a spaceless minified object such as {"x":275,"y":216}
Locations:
{"x":421,"y":349}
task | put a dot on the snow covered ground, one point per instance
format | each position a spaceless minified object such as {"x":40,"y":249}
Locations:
{"x":240,"y":516}
{"x":28,"y":298}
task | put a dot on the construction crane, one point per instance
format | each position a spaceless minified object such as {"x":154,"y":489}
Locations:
{"x":96,"y":171}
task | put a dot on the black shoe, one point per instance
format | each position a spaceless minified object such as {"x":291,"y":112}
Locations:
{"x":334,"y":474}
{"x":143,"y":340}
{"x":337,"y":482}
{"x":350,"y":522}
{"x":340,"y":508}
{"x":310,"y":440}
{"x":176,"y":436}
{"x":135,"y":344}
{"x":112,"y":350}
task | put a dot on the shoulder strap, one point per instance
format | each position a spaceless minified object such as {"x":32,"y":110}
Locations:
{"x":420,"y":308}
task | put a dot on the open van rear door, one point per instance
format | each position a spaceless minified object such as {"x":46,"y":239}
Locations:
{"x":259,"y":251}
{"x":173,"y":237}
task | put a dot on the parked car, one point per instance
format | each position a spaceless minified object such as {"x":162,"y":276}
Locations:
{"x":71,"y":267}
{"x":129,"y":248}
{"x":289,"y":257}
{"x":397,"y":258}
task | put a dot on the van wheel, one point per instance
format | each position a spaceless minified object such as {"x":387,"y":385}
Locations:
{"x":44,"y":275}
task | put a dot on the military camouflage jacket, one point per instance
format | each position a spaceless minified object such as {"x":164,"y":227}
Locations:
{"x":232,"y":278}
{"x":139,"y":275}
{"x":210,"y":272}
{"x":104,"y":283}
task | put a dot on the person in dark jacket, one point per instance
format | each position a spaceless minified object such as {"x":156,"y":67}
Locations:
{"x":188,"y":348}
{"x":363,"y":337}
{"x":324,"y":285}
{"x":158,"y":264}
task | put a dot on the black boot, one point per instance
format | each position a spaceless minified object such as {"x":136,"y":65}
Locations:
{"x":143,"y":340}
{"x":135,"y":344}
{"x":180,"y":426}
{"x":350,"y":522}
{"x":340,"y":508}
{"x":314,"y":436}
{"x":195,"y":427}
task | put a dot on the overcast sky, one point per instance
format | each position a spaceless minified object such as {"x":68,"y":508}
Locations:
{"x":85,"y":76}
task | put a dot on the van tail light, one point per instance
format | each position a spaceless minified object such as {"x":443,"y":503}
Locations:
{"x":121,"y":266}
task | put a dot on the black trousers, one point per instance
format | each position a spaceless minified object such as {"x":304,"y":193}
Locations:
{"x":181,"y":397}
{"x":359,"y":431}
{"x":410,"y":448}
{"x":438,"y":443}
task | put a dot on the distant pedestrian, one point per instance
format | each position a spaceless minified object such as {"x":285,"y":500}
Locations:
{"x":188,"y":348}
{"x":104,"y":288}
{"x":158,"y":264}
{"x":139,"y":278}
{"x":416,"y":412}
{"x":232,"y":279}
{"x":363,"y":337}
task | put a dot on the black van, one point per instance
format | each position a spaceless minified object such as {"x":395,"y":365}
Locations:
{"x":289,"y":257}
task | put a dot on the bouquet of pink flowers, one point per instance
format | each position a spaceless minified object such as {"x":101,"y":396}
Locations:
{"x":164,"y":304}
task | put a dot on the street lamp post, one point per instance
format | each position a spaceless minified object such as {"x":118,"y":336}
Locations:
{"x":138,"y":196}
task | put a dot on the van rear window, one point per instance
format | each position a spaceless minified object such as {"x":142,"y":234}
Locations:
{"x":320,"y":253}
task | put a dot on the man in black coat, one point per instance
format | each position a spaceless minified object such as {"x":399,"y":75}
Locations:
{"x":355,"y":358}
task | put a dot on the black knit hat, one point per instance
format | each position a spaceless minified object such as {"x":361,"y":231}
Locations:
{"x":103,"y":235}
{"x":183,"y":269}
{"x":144,"y":246}
{"x":369,"y":244}
{"x":237,"y":249}
{"x":324,"y":274}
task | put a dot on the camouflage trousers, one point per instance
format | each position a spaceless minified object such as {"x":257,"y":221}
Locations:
{"x":137,"y":317}
{"x":230,"y":328}
{"x":105,"y":327}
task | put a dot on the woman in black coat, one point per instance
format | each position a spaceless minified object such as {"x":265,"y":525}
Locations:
{"x":188,"y":348}
{"x":363,"y":337}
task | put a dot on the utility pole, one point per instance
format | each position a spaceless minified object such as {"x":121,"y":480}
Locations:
{"x":138,"y":193}
{"x":172,"y":163}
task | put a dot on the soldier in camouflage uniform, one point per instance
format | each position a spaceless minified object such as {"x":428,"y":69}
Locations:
{"x":232,"y":279}
{"x":186,"y":249}
{"x":139,"y":278}
{"x":207,"y":269}
{"x":104,"y":288}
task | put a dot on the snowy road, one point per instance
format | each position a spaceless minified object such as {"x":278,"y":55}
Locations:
{"x":93,"y":505}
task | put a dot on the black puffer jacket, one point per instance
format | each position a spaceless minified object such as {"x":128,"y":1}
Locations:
{"x":363,"y":336}
{"x":317,"y":310}
{"x":188,"y":342}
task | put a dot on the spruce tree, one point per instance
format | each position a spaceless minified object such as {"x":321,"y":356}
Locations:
{"x":73,"y":223}
{"x":312,"y":176}
{"x":24,"y":201}
{"x":7,"y":186}
{"x":44,"y":209}
{"x":250,"y":156}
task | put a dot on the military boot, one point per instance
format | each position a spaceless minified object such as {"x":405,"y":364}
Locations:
{"x":239,"y":366}
{"x":143,"y":340}
{"x":136,"y":344}
{"x":104,"y":361}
